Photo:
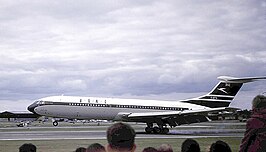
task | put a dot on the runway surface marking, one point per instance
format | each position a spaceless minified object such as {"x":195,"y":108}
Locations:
{"x":104,"y":138}
{"x":206,"y":130}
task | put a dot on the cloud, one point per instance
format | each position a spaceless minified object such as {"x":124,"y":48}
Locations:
{"x":133,"y":48}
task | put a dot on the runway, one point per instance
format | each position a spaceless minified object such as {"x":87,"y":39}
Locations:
{"x":46,"y":131}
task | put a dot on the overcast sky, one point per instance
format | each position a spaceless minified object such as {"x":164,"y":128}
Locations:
{"x":139,"y":49}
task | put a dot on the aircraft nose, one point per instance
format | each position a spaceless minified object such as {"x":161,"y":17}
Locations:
{"x":32,"y":107}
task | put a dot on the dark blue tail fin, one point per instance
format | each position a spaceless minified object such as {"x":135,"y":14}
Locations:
{"x":223,"y":93}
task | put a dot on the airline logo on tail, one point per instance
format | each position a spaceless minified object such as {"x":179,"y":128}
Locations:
{"x":226,"y":89}
{"x":223,"y":90}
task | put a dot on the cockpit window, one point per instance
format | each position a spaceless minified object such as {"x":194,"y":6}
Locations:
{"x":36,"y":102}
{"x":39,"y":102}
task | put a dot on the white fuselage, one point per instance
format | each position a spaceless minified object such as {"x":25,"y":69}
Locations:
{"x":104,"y":108}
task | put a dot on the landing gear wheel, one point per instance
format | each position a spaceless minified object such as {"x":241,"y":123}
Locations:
{"x":165,"y":130}
{"x":156,"y":130}
{"x":148,"y":130}
{"x":55,"y":123}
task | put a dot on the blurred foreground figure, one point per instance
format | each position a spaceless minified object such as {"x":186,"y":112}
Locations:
{"x":190,"y":145}
{"x":96,"y":147}
{"x":220,"y":146}
{"x":165,"y":148}
{"x":149,"y":149}
{"x":81,"y":149}
{"x":255,"y":135}
{"x":27,"y":148}
{"x":121,"y":138}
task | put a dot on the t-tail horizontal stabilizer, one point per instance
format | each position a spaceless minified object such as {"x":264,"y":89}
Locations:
{"x":224,"y":92}
{"x":239,"y":80}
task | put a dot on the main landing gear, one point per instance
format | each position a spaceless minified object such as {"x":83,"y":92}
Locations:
{"x":156,"y":130}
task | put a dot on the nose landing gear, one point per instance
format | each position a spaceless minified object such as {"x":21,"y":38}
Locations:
{"x":55,"y":123}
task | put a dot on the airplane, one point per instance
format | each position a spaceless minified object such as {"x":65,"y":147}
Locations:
{"x":160,"y":113}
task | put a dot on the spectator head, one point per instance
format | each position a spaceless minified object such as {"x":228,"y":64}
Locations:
{"x":121,"y":137}
{"x":27,"y":148}
{"x":149,"y":149}
{"x":259,"y":102}
{"x":220,"y":146}
{"x":95,"y":147}
{"x":190,"y":145}
{"x":165,"y":148}
{"x":81,"y":149}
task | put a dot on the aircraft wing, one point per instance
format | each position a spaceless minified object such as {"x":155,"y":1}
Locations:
{"x":174,"y":113}
{"x":173,"y":118}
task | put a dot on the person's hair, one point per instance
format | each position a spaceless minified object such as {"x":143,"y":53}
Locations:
{"x":149,"y":149}
{"x":81,"y":149}
{"x":190,"y":145}
{"x":259,"y":102}
{"x":95,"y":147}
{"x":220,"y":146}
{"x":27,"y":148}
{"x":121,"y":136}
{"x":165,"y":148}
